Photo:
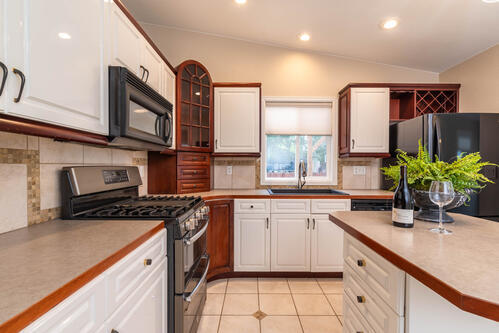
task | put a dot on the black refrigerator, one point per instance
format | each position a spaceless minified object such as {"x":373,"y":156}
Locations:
{"x":447,"y":136}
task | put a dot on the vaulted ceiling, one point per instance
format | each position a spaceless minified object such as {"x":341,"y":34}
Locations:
{"x":432,"y":35}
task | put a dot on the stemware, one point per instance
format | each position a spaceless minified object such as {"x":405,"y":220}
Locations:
{"x":441,"y":194}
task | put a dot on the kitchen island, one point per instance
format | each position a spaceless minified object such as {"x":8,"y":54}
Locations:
{"x":412,"y":280}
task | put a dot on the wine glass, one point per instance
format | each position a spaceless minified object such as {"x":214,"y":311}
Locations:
{"x":441,"y":194}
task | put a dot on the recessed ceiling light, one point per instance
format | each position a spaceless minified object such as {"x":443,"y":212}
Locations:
{"x":490,"y":1}
{"x":389,"y":24}
{"x":240,"y":2}
{"x":64,"y":35}
{"x":304,"y":37}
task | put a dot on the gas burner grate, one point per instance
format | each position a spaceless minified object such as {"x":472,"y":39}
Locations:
{"x":125,"y":211}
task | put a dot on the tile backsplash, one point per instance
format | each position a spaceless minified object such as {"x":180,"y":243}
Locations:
{"x":29,"y":175}
{"x":246,"y":174}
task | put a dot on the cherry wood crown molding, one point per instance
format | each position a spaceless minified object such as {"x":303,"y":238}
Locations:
{"x":142,"y":31}
{"x":31,"y":127}
{"x":465,"y":302}
{"x":404,"y":86}
{"x":237,"y":84}
{"x":20,"y":321}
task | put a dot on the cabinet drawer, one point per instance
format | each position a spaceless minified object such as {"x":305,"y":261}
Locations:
{"x":125,"y":276}
{"x":376,"y":312}
{"x":84,"y":311}
{"x":353,"y":322}
{"x":193,"y":159}
{"x":252,"y":206}
{"x":193,"y":172}
{"x":187,"y":186}
{"x":326,"y":206}
{"x":387,"y":281}
{"x":290,"y":206}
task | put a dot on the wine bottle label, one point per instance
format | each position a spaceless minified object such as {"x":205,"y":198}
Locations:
{"x":403,"y":215}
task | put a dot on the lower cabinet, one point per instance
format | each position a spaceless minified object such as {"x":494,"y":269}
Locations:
{"x":252,"y":242}
{"x":290,"y":244}
{"x":326,"y":245}
{"x":96,"y":308}
{"x":220,"y":237}
{"x":145,"y":310}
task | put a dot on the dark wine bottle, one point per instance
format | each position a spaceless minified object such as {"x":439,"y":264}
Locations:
{"x":403,"y":205}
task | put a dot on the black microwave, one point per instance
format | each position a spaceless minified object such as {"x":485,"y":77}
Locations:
{"x":139,"y":117}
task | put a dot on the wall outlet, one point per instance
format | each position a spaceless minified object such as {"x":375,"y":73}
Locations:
{"x":359,"y":170}
{"x":229,"y":169}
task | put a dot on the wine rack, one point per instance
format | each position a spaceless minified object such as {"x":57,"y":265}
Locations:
{"x":436,"y":101}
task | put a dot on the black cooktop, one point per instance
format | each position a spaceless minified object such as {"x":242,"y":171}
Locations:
{"x":147,"y":206}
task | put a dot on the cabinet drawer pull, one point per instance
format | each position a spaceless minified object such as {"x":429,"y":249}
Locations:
{"x":313,"y":224}
{"x":308,"y":223}
{"x":143,"y":72}
{"x":147,"y":262}
{"x":4,"y":76}
{"x":267,"y":222}
{"x":361,"y":263}
{"x":353,"y":143}
{"x":147,"y":74}
{"x":361,"y":299}
{"x":23,"y":80}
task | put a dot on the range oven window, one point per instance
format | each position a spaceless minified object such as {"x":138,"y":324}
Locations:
{"x":143,"y":119}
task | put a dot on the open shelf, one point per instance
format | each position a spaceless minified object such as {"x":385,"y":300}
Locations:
{"x":402,"y":105}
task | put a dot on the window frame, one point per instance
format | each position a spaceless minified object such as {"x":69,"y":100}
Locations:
{"x":332,"y":157}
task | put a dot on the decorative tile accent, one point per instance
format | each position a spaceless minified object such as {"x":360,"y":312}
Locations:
{"x":259,"y":315}
{"x":139,"y":161}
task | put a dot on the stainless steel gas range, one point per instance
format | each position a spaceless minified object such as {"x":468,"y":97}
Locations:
{"x":100,"y":192}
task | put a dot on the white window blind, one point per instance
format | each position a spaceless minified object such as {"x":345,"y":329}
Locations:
{"x":298,"y":118}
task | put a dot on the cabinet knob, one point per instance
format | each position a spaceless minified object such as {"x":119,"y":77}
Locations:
{"x":195,"y":172}
{"x":194,"y":186}
{"x":114,"y":331}
{"x":361,"y":263}
{"x":251,"y":206}
{"x":361,"y":299}
{"x":147,"y":262}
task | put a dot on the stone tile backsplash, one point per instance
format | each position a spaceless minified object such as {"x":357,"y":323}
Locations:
{"x":29,"y":175}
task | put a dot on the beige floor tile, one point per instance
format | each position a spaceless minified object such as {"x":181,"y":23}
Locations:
{"x":304,"y":286}
{"x":331,"y":286}
{"x":208,"y":324}
{"x":214,"y":303}
{"x":217,"y":286}
{"x":273,"y":286}
{"x":312,"y":305}
{"x":336,"y":301}
{"x":242,"y":286}
{"x":281,"y":324}
{"x":322,"y":324}
{"x":239,"y":324}
{"x":277,"y":304}
{"x":240,"y":304}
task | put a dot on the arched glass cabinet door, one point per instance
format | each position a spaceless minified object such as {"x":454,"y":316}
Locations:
{"x":195,"y":103}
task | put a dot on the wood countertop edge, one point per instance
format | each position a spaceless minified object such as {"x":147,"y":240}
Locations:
{"x":280,"y":196}
{"x":35,"y":311}
{"x":463,"y":301}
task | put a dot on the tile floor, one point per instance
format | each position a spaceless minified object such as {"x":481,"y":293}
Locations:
{"x":273,"y":305}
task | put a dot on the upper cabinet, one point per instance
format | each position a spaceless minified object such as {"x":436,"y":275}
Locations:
{"x":237,"y":118}
{"x":195,"y":108}
{"x":56,"y":68}
{"x":366,"y":110}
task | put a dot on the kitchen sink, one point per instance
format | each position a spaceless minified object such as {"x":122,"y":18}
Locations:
{"x":307,"y":191}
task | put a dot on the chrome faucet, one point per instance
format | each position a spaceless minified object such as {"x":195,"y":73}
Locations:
{"x":302,"y":172}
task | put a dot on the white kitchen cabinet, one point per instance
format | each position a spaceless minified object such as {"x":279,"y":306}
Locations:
{"x":252,"y":206}
{"x":369,"y":120}
{"x":237,"y":119}
{"x":126,"y":42}
{"x":252,"y":242}
{"x":146,"y":309}
{"x":84,"y":311}
{"x":290,"y":206}
{"x":290,"y":242}
{"x":153,"y":64}
{"x":64,"y":65}
{"x":326,"y":245}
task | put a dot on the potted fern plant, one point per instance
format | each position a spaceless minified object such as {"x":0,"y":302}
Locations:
{"x":464,"y":173}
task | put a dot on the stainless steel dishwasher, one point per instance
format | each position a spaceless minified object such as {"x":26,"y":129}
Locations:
{"x":371,"y":204}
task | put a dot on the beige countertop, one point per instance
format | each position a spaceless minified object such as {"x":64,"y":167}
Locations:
{"x":462,"y":267}
{"x":263,"y":193}
{"x":46,"y":262}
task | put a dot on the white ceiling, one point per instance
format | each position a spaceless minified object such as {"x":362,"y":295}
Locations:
{"x":432,"y":35}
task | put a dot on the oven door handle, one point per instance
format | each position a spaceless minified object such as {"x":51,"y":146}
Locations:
{"x":190,"y":241}
{"x":188,"y":296}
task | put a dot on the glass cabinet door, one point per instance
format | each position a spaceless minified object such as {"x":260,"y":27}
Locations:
{"x":196,"y":106}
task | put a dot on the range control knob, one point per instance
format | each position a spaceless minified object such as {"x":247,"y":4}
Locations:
{"x":190,"y":224}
